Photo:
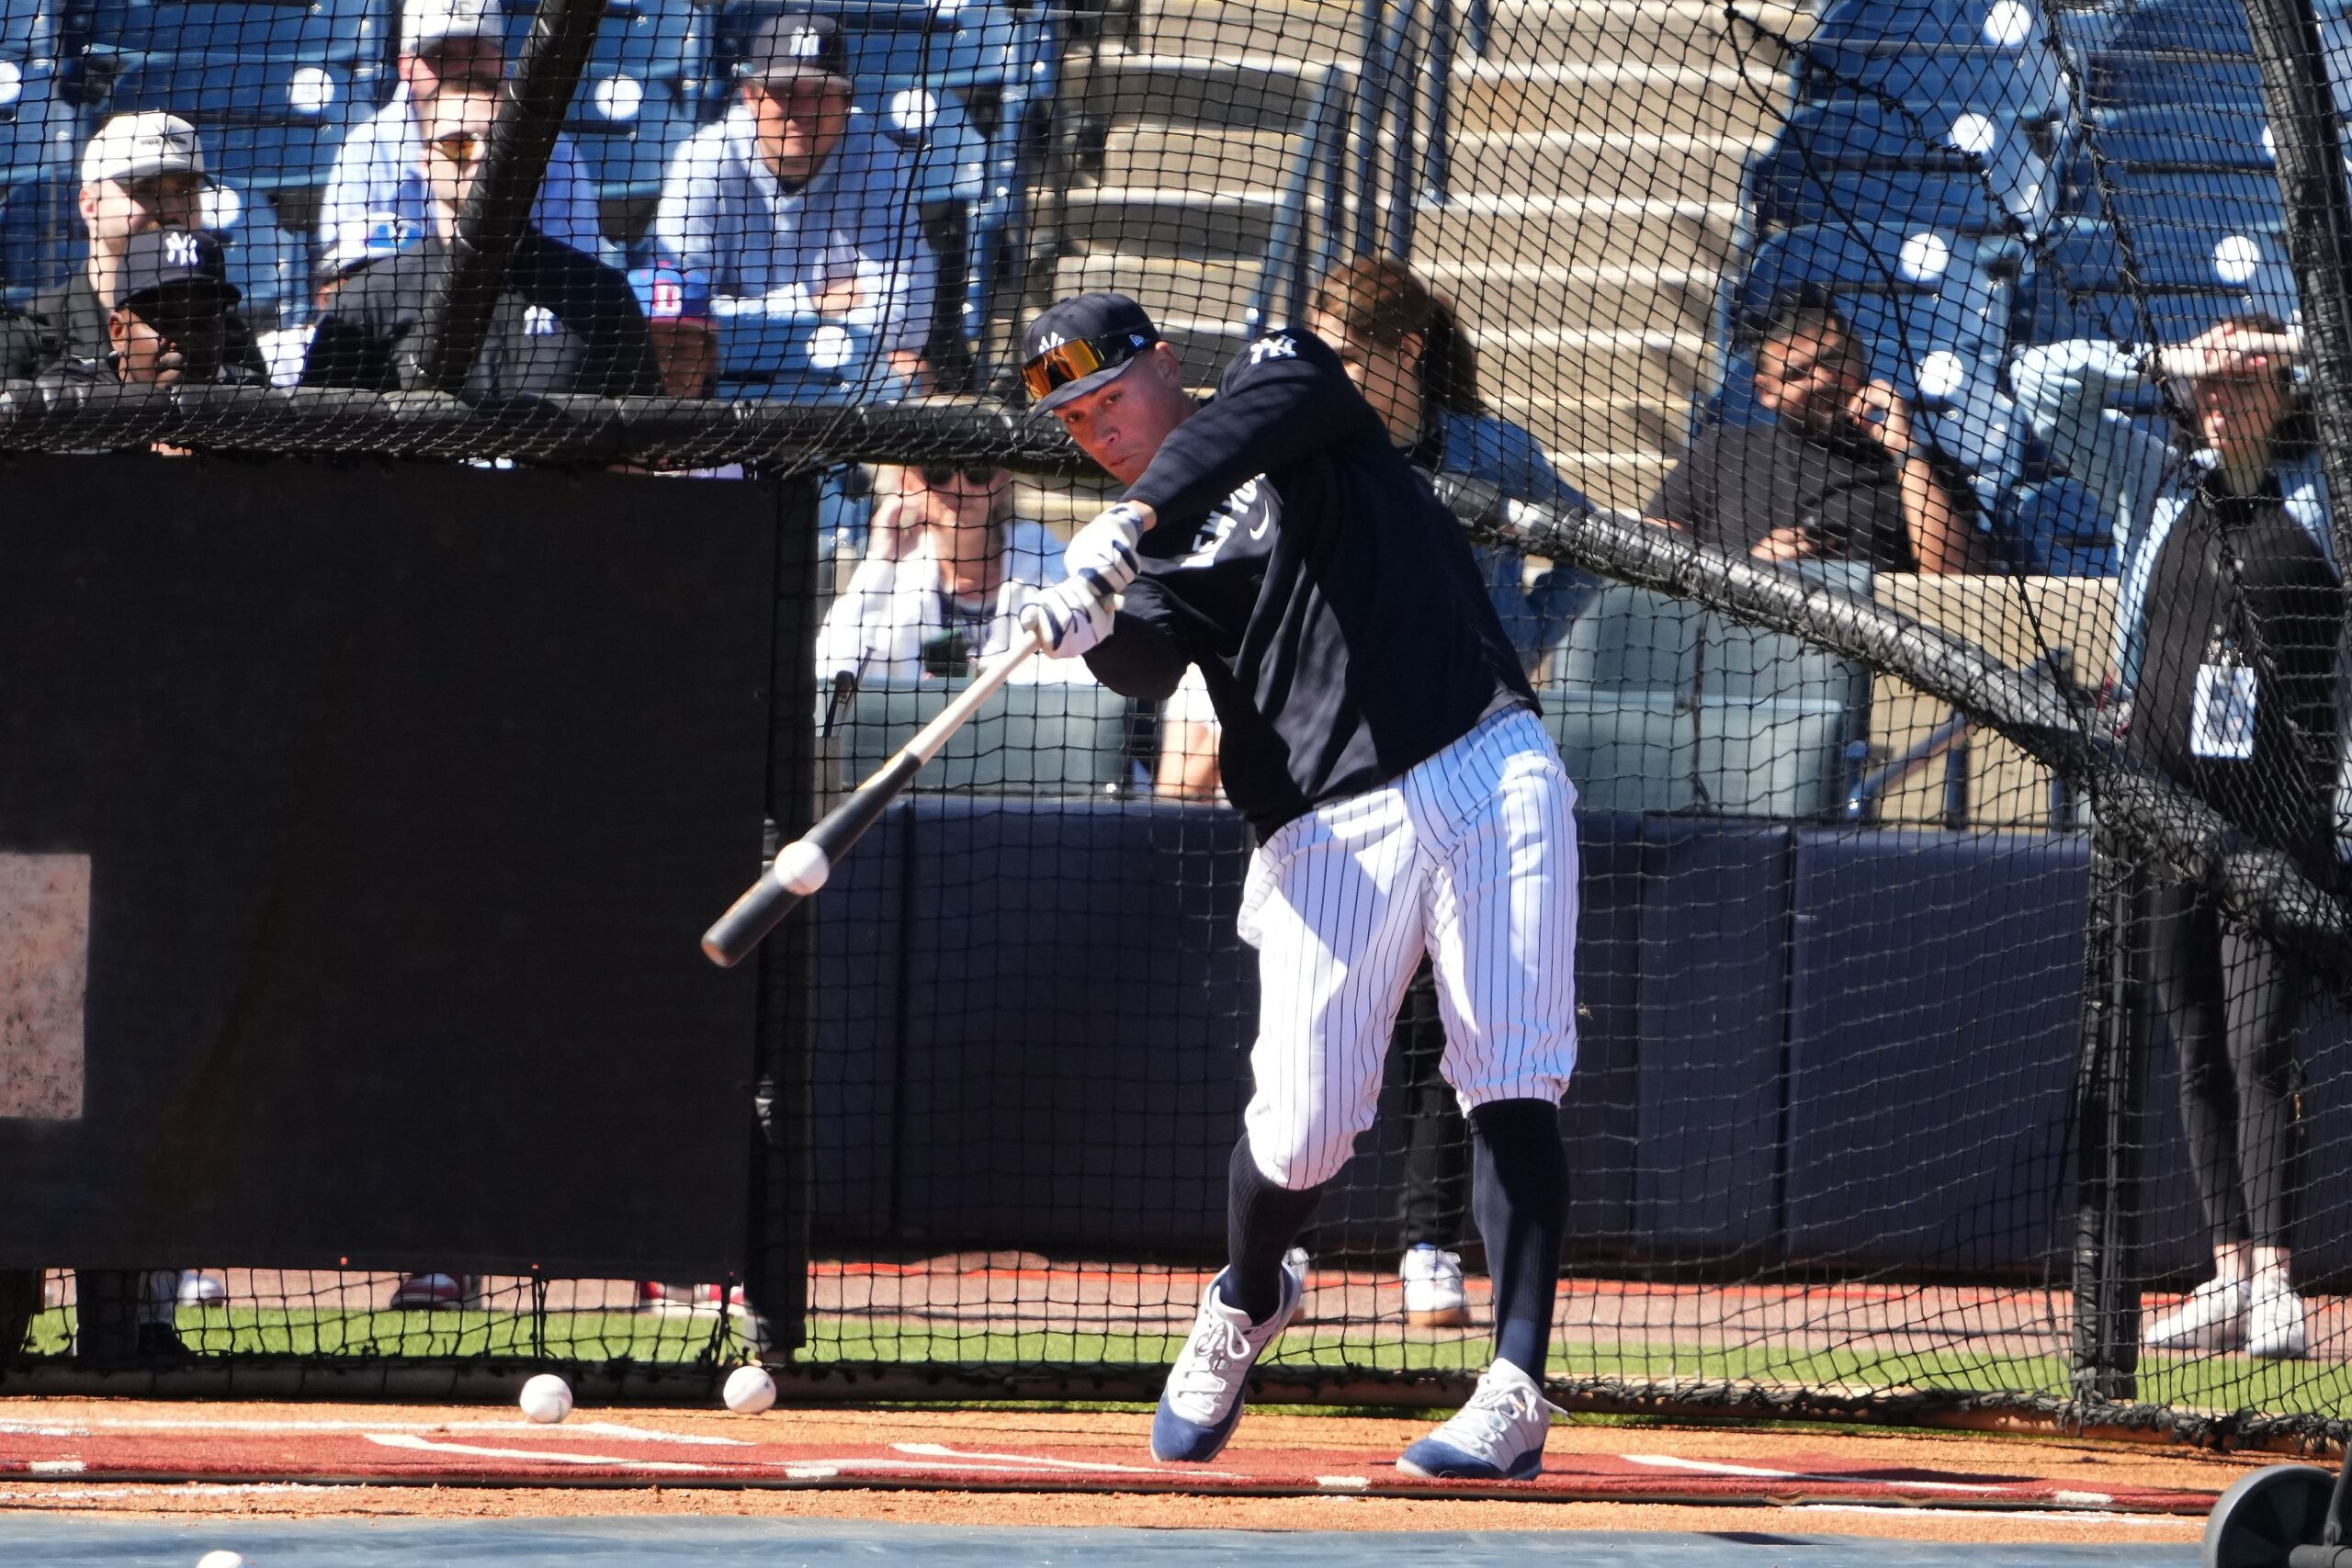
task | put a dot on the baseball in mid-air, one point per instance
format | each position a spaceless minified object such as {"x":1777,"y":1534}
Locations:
{"x":223,"y":1558}
{"x":749,"y":1390}
{"x":547,"y":1398}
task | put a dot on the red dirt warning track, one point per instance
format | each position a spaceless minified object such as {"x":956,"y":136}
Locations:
{"x":352,"y":1448}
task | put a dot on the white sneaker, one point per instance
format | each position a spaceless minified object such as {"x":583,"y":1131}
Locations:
{"x":2212,"y":1318}
{"x":1202,"y":1403}
{"x":2275,"y":1327}
{"x":1433,"y":1295}
{"x":1295,"y":1263}
{"x":1499,"y":1436}
{"x":201,"y":1289}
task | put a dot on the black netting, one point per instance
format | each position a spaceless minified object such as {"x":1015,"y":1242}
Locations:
{"x":1894,"y":434}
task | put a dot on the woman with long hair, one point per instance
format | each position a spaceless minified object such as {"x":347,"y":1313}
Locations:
{"x":2228,"y":618}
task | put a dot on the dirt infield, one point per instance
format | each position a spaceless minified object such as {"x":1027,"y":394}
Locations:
{"x":1032,"y":1467}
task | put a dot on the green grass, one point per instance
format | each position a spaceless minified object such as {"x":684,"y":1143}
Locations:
{"x":2233,"y":1382}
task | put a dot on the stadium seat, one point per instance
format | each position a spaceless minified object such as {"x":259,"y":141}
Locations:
{"x":1997,"y":24}
{"x":2055,"y":527}
{"x":208,"y":90}
{"x":1778,"y":757}
{"x":2220,"y":84}
{"x":2177,"y":136}
{"x":271,"y":268}
{"x":2211,"y":201}
{"x":799,"y":358}
{"x":1951,"y":168}
{"x":41,"y":132}
{"x":1628,"y":752}
{"x":336,"y":32}
{"x":2075,"y":286}
{"x":1040,"y":738}
{"x":28,"y":29}
{"x":40,"y":236}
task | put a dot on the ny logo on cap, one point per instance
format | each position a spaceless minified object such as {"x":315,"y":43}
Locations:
{"x":1053,"y":340}
{"x":180,"y":250}
{"x":806,"y":44}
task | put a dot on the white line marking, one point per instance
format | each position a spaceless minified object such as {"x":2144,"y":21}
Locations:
{"x":1880,"y":1510}
{"x":594,"y":1428}
{"x":31,"y":1429}
{"x":409,"y":1440}
{"x":2084,"y":1499}
{"x":941,"y":1450}
{"x":1711,"y":1467}
{"x":1344,"y":1483}
{"x":57,"y":1467}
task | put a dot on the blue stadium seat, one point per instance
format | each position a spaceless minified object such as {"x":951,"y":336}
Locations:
{"x":1845,"y":161}
{"x":2177,"y":136}
{"x":2222,"y":201}
{"x":28,"y":29}
{"x":40,"y":236}
{"x":41,"y":132}
{"x":328,"y":32}
{"x":1932,"y":287}
{"x":270,"y":265}
{"x":798,"y":358}
{"x":2221,"y":83}
{"x":2029,"y":83}
{"x":627,"y":155}
{"x":2075,"y":286}
{"x":648,"y":40}
{"x":255,"y":160}
{"x":210,"y":90}
{"x":1997,"y":24}
{"x":2056,"y":528}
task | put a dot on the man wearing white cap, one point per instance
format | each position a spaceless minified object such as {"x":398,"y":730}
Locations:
{"x":379,"y":182}
{"x":140,"y":171}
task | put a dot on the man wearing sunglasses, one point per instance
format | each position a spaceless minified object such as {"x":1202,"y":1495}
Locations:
{"x":1382,"y":738}
{"x":377,"y":181}
{"x":563,"y":323}
{"x":141,"y":174}
{"x":797,"y":199}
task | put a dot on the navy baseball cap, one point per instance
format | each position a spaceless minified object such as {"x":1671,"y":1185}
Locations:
{"x":165,"y":258}
{"x":797,"y":45}
{"x":1081,"y":343}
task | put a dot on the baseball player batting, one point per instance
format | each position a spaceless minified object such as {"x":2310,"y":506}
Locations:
{"x":1380,"y":737}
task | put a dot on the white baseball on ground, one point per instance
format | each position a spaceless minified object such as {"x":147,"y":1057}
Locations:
{"x":749,"y":1390}
{"x":223,"y":1558}
{"x":547,"y":1398}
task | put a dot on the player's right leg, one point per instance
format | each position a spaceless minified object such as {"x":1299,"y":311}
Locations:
{"x":1333,"y":905}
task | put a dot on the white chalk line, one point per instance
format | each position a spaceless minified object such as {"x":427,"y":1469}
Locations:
{"x":1714,"y":1467}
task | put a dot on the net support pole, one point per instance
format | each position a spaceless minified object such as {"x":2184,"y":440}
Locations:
{"x":521,"y":139}
{"x":2110,"y":1092}
{"x":2302,"y":108}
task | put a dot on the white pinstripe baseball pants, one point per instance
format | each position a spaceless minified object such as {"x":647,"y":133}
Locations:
{"x":1471,"y":855}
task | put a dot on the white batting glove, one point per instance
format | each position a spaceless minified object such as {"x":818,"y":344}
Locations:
{"x":1104,"y":551}
{"x":1070,"y":616}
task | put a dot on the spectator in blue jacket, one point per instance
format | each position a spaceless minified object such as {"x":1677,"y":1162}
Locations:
{"x":377,"y":187}
{"x":797,"y":199}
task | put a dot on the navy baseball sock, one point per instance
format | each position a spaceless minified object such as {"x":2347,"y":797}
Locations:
{"x":1519,"y":1193}
{"x":1262,"y":1220}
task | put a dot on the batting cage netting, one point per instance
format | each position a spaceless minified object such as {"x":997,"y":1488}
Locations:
{"x":1897,"y":436}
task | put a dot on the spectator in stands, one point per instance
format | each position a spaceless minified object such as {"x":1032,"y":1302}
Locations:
{"x":1838,"y":473}
{"x":170,"y":320}
{"x":564,"y":323}
{"x":379,"y":183}
{"x":141,"y":173}
{"x":2228,"y":618}
{"x":948,"y":570}
{"x":797,"y":199}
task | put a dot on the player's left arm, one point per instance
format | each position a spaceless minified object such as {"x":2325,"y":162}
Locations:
{"x":1283,"y":398}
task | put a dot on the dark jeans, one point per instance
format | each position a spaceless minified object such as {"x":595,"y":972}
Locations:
{"x":2233,"y":1006}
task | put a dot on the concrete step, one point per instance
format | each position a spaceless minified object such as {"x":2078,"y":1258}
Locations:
{"x":1612,"y":479}
{"x":1618,"y":96}
{"x":1686,"y":31}
{"x":1269,"y":91}
{"x":1486,"y":294}
{"x":1500,"y":162}
{"x":1235,"y":223}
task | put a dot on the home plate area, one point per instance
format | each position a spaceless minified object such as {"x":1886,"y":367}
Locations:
{"x":509,"y":1453}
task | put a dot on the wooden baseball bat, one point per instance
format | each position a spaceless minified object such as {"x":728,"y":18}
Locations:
{"x":801,"y":866}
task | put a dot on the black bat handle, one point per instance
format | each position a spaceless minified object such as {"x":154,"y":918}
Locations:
{"x":801,"y":866}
